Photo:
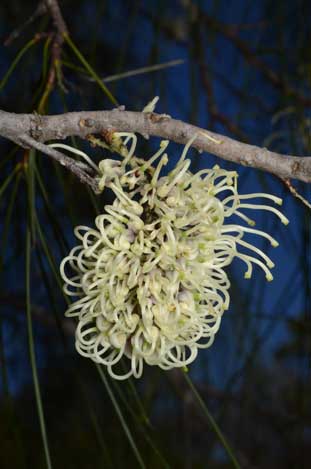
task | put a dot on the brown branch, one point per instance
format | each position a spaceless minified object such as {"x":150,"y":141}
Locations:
{"x":60,"y":28}
{"x":57,"y":17}
{"x":20,"y":128}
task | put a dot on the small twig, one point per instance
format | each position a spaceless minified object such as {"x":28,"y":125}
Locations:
{"x":55,"y":72}
{"x":74,"y":166}
{"x":57,"y":17}
{"x":140,"y":71}
{"x":296,"y":194}
{"x":39,"y":11}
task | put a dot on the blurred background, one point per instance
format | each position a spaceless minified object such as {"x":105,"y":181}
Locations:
{"x":241,"y":68}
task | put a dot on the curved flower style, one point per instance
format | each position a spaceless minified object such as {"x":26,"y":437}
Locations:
{"x":149,"y":280}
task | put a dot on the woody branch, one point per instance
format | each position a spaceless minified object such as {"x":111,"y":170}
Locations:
{"x":32,"y":130}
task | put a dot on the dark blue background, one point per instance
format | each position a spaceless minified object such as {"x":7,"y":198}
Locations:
{"x":256,"y":376}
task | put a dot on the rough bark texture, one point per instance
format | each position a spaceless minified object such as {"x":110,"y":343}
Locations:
{"x":20,"y":127}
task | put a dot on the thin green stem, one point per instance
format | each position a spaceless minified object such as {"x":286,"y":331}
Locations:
{"x":7,"y":182}
{"x":143,"y":429}
{"x":75,"y":373}
{"x":9,"y":156}
{"x":212,"y":422}
{"x":50,"y":259}
{"x":31,"y":192}
{"x":76,"y":68}
{"x":129,"y":74}
{"x":16,"y":60}
{"x":45,"y":63}
{"x":8,"y":217}
{"x":121,"y":418}
{"x":90,"y":69}
{"x":33,"y":355}
{"x":45,"y":59}
{"x":59,"y":235}
{"x":140,"y":406}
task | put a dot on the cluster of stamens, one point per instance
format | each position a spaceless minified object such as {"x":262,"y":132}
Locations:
{"x":149,"y":281}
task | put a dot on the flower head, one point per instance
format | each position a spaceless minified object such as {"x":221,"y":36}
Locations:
{"x":149,"y":281}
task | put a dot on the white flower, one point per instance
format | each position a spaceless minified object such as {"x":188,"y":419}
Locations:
{"x":149,"y":281}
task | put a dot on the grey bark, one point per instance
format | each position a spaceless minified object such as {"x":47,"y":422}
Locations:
{"x":27,"y":129}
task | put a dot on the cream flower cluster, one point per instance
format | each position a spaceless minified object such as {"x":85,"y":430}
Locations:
{"x":149,"y":281}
